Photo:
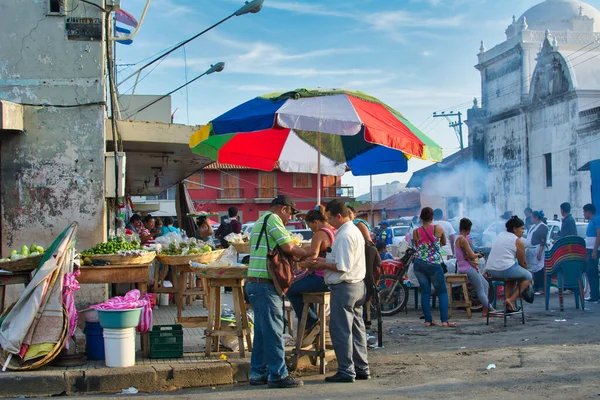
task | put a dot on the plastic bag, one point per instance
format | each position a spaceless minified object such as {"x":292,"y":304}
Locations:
{"x":237,"y":237}
{"x":166,"y":240}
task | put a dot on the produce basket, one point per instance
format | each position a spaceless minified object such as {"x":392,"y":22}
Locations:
{"x":203,"y":258}
{"x":116,"y":259}
{"x":27,"y":264}
{"x":228,"y":272}
{"x":166,"y":341}
{"x":242,"y":248}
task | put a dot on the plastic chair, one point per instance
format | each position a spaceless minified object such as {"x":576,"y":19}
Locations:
{"x":565,"y":265}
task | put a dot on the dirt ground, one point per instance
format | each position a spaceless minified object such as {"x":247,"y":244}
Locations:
{"x":553,"y":356}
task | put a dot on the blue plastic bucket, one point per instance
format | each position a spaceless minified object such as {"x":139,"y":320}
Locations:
{"x":94,"y":341}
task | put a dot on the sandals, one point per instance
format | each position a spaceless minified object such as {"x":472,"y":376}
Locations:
{"x":449,"y":324}
{"x":428,"y":324}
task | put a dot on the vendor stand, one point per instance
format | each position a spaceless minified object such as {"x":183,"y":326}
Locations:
{"x":122,"y":269}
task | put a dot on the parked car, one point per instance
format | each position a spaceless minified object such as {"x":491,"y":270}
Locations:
{"x":247,"y":227}
{"x":489,"y":235}
{"x":399,"y":233}
{"x":295,"y":224}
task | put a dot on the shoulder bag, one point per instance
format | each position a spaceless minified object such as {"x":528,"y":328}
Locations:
{"x":279,"y":264}
{"x":444,"y":266}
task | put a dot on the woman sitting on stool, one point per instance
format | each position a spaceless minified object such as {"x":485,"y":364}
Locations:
{"x":507,"y":261}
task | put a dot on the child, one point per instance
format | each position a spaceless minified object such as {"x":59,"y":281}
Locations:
{"x":383,"y":252}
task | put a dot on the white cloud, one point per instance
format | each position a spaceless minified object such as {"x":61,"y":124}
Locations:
{"x":305,"y":8}
{"x":426,"y":53}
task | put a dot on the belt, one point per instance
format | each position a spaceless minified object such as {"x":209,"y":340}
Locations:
{"x":259,"y":280}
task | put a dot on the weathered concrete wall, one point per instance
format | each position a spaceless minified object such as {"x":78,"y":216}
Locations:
{"x":52,"y":174}
{"x":553,"y":130}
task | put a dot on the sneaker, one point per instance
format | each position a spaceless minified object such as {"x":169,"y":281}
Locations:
{"x":363,"y":377}
{"x":310,"y":335}
{"x":339,"y":378}
{"x":259,"y":382}
{"x":286,"y":383}
{"x":590,"y":300}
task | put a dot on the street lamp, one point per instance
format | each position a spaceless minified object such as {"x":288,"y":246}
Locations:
{"x":250,"y":7}
{"x":218,"y":67}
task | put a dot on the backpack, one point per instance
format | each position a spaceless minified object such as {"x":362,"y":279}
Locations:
{"x":224,"y":229}
{"x":374,"y":265}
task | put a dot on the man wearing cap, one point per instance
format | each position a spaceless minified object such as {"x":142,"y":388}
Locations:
{"x":345,"y":270}
{"x":385,"y":235}
{"x":268,"y":355}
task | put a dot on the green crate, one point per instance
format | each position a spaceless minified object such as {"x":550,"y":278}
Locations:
{"x":166,"y":341}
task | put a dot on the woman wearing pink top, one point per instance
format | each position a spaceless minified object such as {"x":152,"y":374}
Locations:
{"x":428,"y":266}
{"x":467,"y":262}
{"x":311,"y":281}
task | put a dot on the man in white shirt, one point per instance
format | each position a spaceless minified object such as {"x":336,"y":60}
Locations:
{"x":438,"y":219}
{"x":345,"y":270}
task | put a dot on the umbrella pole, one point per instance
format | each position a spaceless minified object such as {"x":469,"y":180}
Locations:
{"x":371,"y":191}
{"x":319,"y":168}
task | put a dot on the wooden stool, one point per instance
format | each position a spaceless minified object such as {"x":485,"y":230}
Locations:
{"x":159,"y":279}
{"x":322,"y":301}
{"x":214,"y":329}
{"x":462,"y":279}
{"x":494,"y":283}
{"x":287,"y":306}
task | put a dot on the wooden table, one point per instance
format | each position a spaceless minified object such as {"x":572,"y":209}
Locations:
{"x":136,"y":273}
{"x":14,"y":278}
{"x":216,"y":278}
{"x":182,"y":272}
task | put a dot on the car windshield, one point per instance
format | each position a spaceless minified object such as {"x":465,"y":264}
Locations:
{"x":401,"y":231}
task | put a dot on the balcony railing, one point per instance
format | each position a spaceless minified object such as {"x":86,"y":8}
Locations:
{"x":230,"y":194}
{"x":267,"y":192}
{"x":343,"y":191}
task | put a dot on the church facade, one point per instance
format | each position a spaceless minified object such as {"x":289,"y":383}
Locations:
{"x":539,"y":119}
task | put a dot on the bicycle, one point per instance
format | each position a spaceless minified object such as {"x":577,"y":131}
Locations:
{"x":393,"y":293}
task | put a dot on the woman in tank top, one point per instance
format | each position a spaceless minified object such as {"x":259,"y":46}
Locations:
{"x":507,"y":260}
{"x":428,"y":266}
{"x":467,"y":262}
{"x":361,"y":224}
{"x":311,"y":281}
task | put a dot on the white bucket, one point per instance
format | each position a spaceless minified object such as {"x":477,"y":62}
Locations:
{"x":164,"y":299}
{"x":119,"y":347}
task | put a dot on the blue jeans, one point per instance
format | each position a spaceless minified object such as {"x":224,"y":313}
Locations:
{"x":592,"y":275}
{"x":268,"y":354}
{"x":428,"y":275}
{"x":310,"y":284}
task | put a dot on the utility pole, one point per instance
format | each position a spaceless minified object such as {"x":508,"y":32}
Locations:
{"x":456,"y":125}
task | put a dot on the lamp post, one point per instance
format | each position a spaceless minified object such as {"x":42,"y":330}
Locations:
{"x":251,"y":7}
{"x":218,"y":67}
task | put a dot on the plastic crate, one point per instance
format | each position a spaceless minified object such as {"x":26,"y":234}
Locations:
{"x":166,"y":341}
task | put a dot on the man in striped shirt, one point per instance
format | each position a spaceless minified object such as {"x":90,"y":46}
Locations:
{"x":268,"y":354}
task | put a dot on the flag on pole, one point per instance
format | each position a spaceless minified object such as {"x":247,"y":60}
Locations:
{"x":122,"y":32}
{"x":125,"y":18}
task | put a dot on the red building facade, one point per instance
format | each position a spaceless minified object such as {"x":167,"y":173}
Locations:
{"x":218,"y":187}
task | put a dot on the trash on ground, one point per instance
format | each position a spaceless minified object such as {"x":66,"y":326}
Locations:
{"x":131,"y":390}
{"x":491,"y":366}
{"x":560,"y":320}
{"x":223,"y":357}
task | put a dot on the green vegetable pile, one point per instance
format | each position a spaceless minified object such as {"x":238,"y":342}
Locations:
{"x":113,"y":246}
{"x":186,"y":249}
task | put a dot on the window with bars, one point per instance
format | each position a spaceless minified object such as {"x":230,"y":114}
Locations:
{"x":302,"y":181}
{"x":548,"y":165}
{"x":196,"y":178}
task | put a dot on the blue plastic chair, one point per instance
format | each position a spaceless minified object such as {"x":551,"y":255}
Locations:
{"x":565,"y":265}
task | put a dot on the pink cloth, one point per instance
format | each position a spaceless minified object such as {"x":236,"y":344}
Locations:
{"x":70,"y":286}
{"x":132,"y":299}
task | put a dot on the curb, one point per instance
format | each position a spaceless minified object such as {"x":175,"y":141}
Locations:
{"x":157,"y":378}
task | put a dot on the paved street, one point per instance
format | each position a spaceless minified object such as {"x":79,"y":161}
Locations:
{"x":545,"y":358}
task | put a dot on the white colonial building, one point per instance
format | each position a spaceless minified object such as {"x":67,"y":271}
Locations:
{"x":539,"y":118}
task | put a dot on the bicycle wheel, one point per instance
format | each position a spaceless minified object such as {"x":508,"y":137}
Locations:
{"x":394,"y":297}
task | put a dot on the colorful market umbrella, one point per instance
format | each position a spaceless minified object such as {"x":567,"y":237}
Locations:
{"x":323,"y":131}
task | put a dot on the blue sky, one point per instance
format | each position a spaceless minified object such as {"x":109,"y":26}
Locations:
{"x":415,"y":55}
